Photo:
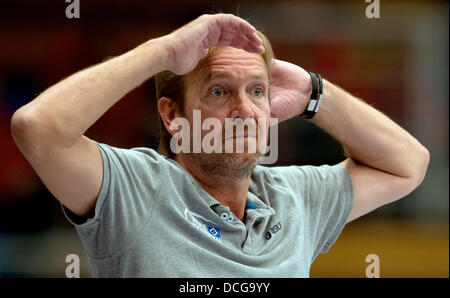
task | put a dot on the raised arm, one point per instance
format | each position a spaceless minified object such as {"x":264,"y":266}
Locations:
{"x":49,"y":130}
{"x":384,"y":161}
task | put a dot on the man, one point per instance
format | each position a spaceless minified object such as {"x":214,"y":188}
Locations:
{"x":143,"y":214}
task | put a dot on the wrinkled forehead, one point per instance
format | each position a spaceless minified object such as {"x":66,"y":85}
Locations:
{"x":230,"y":62}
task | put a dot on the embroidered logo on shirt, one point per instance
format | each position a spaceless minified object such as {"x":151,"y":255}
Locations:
{"x":214,"y":231}
{"x":273,"y":230}
{"x":210,"y":230}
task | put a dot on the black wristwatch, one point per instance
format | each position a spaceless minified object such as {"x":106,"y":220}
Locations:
{"x":316,"y":96}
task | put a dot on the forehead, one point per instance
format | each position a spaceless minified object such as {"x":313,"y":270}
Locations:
{"x":231,"y":62}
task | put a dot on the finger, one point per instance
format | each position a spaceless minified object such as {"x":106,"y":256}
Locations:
{"x":242,"y":42}
{"x":233,"y":34}
{"x":232,"y":23}
{"x":254,"y":38}
{"x":238,"y":33}
{"x":227,"y":37}
{"x":251,"y":41}
{"x":238,"y":22}
{"x":231,"y":38}
{"x":252,"y":49}
{"x":255,"y":44}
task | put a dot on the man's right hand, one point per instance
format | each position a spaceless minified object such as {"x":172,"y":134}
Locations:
{"x":186,"y":46}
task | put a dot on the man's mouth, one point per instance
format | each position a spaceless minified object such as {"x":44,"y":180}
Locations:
{"x":243,"y":135}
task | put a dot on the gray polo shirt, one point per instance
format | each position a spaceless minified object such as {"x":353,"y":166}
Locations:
{"x":152,"y":219}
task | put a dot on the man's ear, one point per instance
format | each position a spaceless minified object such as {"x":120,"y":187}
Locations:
{"x":168,"y":111}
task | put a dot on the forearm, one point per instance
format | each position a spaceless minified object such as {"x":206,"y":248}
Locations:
{"x":368,"y":135}
{"x":64,"y":112}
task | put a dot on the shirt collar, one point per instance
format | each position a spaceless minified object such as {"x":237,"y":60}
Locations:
{"x":252,"y":203}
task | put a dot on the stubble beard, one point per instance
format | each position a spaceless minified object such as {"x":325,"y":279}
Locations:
{"x":224,"y":164}
{"x":232,"y":165}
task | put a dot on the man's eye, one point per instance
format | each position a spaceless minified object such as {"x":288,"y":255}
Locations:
{"x":258,"y":92}
{"x":217,"y":92}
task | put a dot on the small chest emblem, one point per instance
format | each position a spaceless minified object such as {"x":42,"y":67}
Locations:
{"x":214,"y":231}
{"x":273,"y":230}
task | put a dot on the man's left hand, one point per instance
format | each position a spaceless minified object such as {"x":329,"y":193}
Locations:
{"x":290,"y":90}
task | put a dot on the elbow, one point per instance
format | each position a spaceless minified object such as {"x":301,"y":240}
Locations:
{"x":22,"y":123}
{"x":26,"y":130}
{"x":422,"y":165}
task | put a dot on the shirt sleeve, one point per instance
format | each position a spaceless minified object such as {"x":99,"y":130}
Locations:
{"x":327,"y":196}
{"x":130,"y":187}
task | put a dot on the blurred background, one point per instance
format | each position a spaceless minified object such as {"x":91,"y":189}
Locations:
{"x":398,"y":63}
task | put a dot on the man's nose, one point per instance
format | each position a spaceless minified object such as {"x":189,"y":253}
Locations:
{"x":242,"y":106}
